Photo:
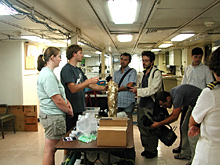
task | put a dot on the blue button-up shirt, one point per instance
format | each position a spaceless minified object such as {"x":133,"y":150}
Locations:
{"x":125,"y":98}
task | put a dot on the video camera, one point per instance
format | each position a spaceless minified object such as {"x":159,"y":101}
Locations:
{"x":165,"y":134}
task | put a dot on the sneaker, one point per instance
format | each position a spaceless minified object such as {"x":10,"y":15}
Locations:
{"x":189,"y":163}
{"x":181,"y":157}
{"x":150,"y":155}
{"x":177,"y":150}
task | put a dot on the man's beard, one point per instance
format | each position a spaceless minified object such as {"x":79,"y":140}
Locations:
{"x":147,"y":67}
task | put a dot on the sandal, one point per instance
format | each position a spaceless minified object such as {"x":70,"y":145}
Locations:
{"x":181,"y":157}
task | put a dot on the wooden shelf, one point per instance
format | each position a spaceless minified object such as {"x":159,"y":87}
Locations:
{"x":25,"y":117}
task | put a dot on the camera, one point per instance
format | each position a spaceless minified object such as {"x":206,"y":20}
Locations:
{"x":165,"y":134}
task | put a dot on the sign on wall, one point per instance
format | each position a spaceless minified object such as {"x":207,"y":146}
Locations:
{"x":31,"y":54}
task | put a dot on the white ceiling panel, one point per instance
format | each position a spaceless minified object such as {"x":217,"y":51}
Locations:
{"x":157,"y":22}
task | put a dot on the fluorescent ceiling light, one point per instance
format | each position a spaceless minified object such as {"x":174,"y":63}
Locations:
{"x":165,"y":45}
{"x":155,"y":50}
{"x":182,"y":37}
{"x":86,"y":55}
{"x":123,"y":11}
{"x":5,"y":10}
{"x":45,"y":41}
{"x":36,"y":39}
{"x":67,"y":41}
{"x":98,"y":52}
{"x":80,"y":43}
{"x":125,"y":38}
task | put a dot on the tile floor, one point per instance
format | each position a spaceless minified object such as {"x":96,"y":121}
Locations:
{"x":26,"y":148}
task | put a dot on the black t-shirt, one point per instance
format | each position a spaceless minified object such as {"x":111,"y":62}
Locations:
{"x":71,"y":74}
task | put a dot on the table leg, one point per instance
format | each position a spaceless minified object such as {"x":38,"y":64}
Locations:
{"x":85,"y":158}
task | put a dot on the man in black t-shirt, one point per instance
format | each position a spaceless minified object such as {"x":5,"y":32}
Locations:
{"x":74,"y":82}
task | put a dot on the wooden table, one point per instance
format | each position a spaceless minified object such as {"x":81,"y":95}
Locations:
{"x":92,"y":146}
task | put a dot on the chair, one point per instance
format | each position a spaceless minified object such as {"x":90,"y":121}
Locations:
{"x":89,"y":102}
{"x":6,"y":117}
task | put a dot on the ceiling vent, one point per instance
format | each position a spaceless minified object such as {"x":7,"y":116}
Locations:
{"x":151,"y":31}
{"x":156,"y":29}
{"x":145,"y":45}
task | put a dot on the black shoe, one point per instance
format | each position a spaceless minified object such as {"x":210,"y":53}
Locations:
{"x":144,"y":153}
{"x":177,"y":150}
{"x":151,"y":155}
{"x":181,"y":157}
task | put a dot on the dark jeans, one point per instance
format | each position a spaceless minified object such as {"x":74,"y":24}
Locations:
{"x":183,"y":114}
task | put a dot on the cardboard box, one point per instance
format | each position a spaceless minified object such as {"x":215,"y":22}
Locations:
{"x":112,"y":132}
{"x":113,"y":121}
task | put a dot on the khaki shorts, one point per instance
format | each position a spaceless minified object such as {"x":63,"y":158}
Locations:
{"x":54,"y":125}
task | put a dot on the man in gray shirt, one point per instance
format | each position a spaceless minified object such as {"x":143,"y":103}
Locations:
{"x":182,"y":95}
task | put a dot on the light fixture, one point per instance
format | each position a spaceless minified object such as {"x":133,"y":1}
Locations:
{"x":165,"y":45}
{"x":98,"y":52}
{"x":80,"y":43}
{"x":36,"y":39}
{"x":124,"y":37}
{"x":123,"y":11}
{"x":5,"y":10}
{"x":86,"y":55}
{"x":182,"y":37}
{"x":209,"y":24}
{"x":45,"y":41}
{"x":155,"y":50}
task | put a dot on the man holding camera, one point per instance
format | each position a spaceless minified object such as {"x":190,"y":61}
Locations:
{"x":182,"y":95}
{"x":150,"y":82}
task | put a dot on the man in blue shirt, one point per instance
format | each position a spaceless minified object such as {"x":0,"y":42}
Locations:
{"x":126,"y":99}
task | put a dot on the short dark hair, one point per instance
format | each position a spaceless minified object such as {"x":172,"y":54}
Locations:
{"x":126,"y":54}
{"x":197,"y":51}
{"x":214,"y":62}
{"x":162,"y":96}
{"x":72,"y":49}
{"x":149,"y":54}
